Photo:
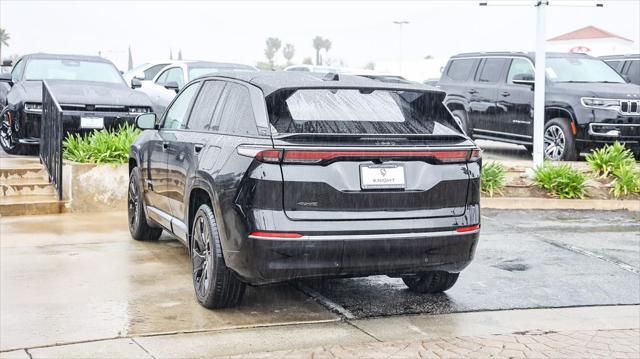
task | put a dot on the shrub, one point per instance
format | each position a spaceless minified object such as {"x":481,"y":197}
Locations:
{"x":492,"y":178}
{"x":610,"y":158}
{"x":561,"y":180}
{"x":627,"y":181}
{"x":104,"y":146}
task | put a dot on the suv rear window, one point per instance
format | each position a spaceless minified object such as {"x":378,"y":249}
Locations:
{"x":459,"y":69}
{"x":348,"y":111}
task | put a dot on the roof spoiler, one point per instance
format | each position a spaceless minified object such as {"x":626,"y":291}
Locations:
{"x":331,"y":76}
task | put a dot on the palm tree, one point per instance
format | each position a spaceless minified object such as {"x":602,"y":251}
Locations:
{"x":318,"y":44}
{"x":273,"y":45}
{"x":288,"y":51}
{"x":326,"y":45}
{"x":130,"y":62}
{"x":4,"y":38}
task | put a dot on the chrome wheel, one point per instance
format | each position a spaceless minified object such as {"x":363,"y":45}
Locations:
{"x":554,"y":143}
{"x":6,"y":133}
{"x":201,"y":256}
{"x":459,"y":122}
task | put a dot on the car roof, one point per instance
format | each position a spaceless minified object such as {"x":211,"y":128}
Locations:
{"x":530,"y":55}
{"x":621,"y":57}
{"x":271,"y":81}
{"x":42,"y":55}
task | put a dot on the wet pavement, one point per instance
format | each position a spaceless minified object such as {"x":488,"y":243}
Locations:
{"x":70,"y":278}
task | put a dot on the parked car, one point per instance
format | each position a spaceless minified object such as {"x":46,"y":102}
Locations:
{"x":89,"y":88}
{"x":145,"y":72}
{"x":314,"y":68}
{"x":275,"y":176}
{"x":587,"y":103}
{"x":164,"y":86}
{"x":627,"y":65}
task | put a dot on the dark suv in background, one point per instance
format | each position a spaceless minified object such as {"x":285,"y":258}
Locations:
{"x":273,"y":176}
{"x":587,"y":103}
{"x":627,"y":65}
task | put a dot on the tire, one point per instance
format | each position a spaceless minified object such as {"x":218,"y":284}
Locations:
{"x":431,"y":282}
{"x":138,"y":225}
{"x":462,"y":119}
{"x":7,"y":140}
{"x":559,"y":143}
{"x":215,"y":285}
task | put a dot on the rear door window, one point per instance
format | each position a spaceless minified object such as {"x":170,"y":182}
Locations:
{"x":347,"y":111}
{"x":459,"y":70}
{"x":491,"y":70}
{"x":237,"y":116}
{"x":205,"y":105}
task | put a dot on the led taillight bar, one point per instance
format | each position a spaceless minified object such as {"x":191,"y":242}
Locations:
{"x":319,"y":156}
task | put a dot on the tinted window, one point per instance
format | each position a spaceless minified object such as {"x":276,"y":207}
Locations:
{"x":151,"y":72}
{"x":459,"y":69}
{"x":519,"y":66}
{"x":177,"y":112}
{"x":329,"y":111}
{"x":202,"y":113}
{"x":617,"y":65}
{"x":237,"y":116}
{"x":633,"y":71}
{"x":491,"y":70}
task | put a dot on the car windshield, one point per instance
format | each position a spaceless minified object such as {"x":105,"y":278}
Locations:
{"x":573,"y":69}
{"x":348,"y":111}
{"x":62,"y":69}
{"x":200,"y":71}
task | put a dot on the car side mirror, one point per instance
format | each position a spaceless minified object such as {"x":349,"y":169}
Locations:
{"x":146,"y":121}
{"x":6,"y":78}
{"x":135,"y":83}
{"x":524,"y":79}
{"x":172,"y":85}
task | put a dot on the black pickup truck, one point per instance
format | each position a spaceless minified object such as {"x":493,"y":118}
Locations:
{"x":89,"y":89}
{"x":587,"y":103}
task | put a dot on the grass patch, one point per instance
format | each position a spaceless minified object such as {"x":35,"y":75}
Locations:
{"x":104,"y":146}
{"x":610,"y":158}
{"x":492,"y":178}
{"x":560,"y":180}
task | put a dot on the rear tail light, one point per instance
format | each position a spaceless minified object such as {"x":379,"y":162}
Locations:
{"x":275,"y":235}
{"x":321,"y":156}
{"x":468,"y":228}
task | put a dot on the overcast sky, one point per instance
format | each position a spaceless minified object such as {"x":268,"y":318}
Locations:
{"x":360,"y":31}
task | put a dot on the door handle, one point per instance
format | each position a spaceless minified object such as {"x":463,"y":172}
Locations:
{"x":198,"y":147}
{"x":505,"y":94}
{"x":472,"y":91}
{"x":165,"y":145}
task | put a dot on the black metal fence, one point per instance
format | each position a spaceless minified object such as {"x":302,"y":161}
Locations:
{"x":51,"y":135}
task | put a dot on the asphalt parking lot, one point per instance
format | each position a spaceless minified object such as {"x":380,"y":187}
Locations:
{"x":70,"y":278}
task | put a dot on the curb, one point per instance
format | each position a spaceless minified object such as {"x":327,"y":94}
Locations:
{"x":554,"y":203}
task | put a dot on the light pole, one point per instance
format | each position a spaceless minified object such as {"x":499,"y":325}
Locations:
{"x":539,"y":83}
{"x":400,"y":23}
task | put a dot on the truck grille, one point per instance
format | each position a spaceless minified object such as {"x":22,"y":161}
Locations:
{"x":630,"y":107}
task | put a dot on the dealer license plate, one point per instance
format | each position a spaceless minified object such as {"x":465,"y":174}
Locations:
{"x":91,"y":122}
{"x":381,"y":176}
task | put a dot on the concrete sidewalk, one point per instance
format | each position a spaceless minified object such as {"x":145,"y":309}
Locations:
{"x":609,"y":331}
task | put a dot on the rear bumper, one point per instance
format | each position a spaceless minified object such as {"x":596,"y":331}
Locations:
{"x":274,"y":260}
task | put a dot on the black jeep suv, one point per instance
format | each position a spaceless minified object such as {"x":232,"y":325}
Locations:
{"x":586,"y":104}
{"x":89,"y":89}
{"x":273,"y":176}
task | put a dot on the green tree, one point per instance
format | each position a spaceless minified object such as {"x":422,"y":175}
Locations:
{"x":4,"y":40}
{"x":288,"y":51}
{"x":318,"y":44}
{"x":307,"y":61}
{"x":273,"y":45}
